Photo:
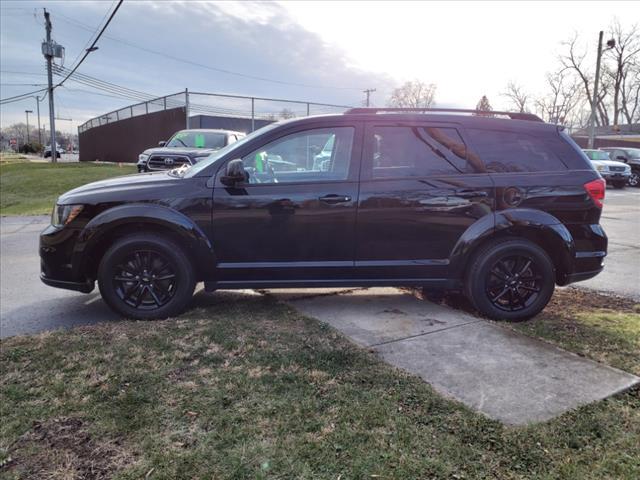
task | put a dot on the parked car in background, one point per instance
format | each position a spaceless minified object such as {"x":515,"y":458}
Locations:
{"x":502,"y":209}
{"x":615,"y":173}
{"x":630,"y":156}
{"x":186,"y":147}
{"x":47,"y":151}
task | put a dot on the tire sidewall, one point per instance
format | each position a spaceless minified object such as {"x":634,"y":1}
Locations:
{"x":172,"y":252}
{"x":477,"y":278}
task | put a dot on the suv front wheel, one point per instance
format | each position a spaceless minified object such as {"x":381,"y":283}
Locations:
{"x":145,"y":277}
{"x":510,"y":279}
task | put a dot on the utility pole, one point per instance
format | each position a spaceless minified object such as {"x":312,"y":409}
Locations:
{"x":594,"y":99}
{"x":48,"y":54}
{"x":368,"y":92}
{"x":27,"y":112}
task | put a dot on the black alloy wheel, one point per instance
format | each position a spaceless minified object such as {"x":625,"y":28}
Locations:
{"x":146,"y":276}
{"x":145,"y":280}
{"x":510,"y":279}
{"x":513,"y":283}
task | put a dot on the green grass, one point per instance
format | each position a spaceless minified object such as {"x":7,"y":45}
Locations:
{"x":32,"y":188}
{"x":243,"y":387}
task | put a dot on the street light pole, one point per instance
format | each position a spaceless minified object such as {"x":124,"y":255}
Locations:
{"x":27,"y":112}
{"x":594,"y":99}
{"x":39,"y":131}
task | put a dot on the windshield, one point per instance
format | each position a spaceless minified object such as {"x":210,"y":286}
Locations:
{"x":204,"y":163}
{"x":597,"y":155}
{"x":195,"y":139}
{"x":635,"y":153}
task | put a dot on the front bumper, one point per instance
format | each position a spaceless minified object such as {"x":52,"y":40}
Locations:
{"x":613,"y":176}
{"x":84,"y":287}
{"x":56,"y":265}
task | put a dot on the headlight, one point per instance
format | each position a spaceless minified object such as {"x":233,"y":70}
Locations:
{"x":142,"y":157}
{"x":64,"y":214}
{"x":601,"y":168}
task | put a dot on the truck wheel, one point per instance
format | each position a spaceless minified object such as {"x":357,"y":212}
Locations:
{"x":146,"y":276}
{"x":634,"y":179}
{"x":510,"y":279}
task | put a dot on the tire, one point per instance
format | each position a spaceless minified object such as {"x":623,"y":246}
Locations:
{"x":634,"y":179}
{"x":619,"y":184}
{"x":510,"y":279}
{"x":146,"y":276}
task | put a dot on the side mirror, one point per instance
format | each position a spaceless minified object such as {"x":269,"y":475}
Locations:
{"x":620,"y":157}
{"x":162,"y":143}
{"x":234,"y":174}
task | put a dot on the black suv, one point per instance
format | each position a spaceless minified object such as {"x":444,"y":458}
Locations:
{"x":502,"y":209}
{"x":185,"y":147}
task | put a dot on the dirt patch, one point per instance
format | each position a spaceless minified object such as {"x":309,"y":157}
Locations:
{"x":64,"y":448}
{"x":568,"y":301}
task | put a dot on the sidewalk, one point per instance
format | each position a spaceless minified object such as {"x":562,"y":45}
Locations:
{"x":505,"y":375}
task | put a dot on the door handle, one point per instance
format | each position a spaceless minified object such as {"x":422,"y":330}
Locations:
{"x":333,"y":198}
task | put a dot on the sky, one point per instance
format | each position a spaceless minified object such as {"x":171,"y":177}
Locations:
{"x":316,"y":51}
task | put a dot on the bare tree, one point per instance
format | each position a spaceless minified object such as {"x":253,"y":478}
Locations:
{"x":518,"y":96}
{"x":413,"y":94}
{"x":573,"y":61}
{"x":564,"y":102}
{"x":622,"y":69}
{"x":286,"y":114}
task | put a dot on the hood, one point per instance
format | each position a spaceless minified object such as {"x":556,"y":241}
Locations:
{"x":190,"y":152}
{"x":139,"y":186}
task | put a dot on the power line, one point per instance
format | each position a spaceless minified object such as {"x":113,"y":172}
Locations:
{"x":17,"y":98}
{"x":79,"y":24}
{"x":91,"y":48}
{"x":86,"y":45}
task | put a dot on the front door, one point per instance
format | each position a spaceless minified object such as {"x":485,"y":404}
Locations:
{"x":421,"y":188}
{"x":294,"y":218}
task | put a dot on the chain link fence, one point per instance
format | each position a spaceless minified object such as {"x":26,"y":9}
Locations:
{"x":219,"y":105}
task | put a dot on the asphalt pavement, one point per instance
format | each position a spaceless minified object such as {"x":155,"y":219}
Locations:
{"x":29,"y":306}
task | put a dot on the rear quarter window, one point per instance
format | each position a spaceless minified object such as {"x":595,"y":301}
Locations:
{"x":509,"y":151}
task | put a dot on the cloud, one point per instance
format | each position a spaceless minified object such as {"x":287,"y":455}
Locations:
{"x":255,"y":39}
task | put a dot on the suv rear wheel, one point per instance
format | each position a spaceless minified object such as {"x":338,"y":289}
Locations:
{"x":510,"y":279}
{"x":146,"y":276}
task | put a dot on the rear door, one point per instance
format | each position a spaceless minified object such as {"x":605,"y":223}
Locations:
{"x":421,"y":188}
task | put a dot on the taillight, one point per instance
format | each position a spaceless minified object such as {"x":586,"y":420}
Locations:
{"x":596,"y":189}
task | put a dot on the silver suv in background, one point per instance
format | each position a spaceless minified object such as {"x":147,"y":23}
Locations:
{"x":615,"y":173}
{"x":186,"y":147}
{"x":630,"y":156}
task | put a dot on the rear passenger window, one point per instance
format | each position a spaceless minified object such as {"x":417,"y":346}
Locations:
{"x":419,"y":151}
{"x":503,"y":151}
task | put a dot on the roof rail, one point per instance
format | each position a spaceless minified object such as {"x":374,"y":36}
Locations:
{"x":511,"y":115}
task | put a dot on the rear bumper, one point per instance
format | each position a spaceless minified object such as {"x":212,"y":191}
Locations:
{"x":590,"y":244}
{"x":579,"y":277}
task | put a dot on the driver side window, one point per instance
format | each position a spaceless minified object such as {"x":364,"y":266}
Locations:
{"x":317,"y":155}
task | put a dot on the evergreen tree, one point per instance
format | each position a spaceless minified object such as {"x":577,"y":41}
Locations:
{"x":484,"y":105}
